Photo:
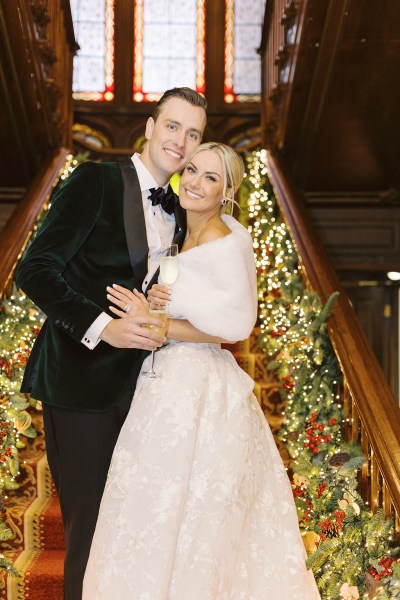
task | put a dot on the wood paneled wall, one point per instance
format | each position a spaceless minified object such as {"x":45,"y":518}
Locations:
{"x":360,"y":232}
{"x":330,"y":104}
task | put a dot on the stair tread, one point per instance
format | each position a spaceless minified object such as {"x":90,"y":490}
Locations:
{"x":53,"y":509}
{"x":45,"y":577}
{"x":46,"y":557}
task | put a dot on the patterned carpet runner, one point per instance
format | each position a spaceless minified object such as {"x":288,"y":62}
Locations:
{"x":37,"y":549}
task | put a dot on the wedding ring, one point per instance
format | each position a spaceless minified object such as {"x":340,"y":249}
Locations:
{"x":127,"y":308}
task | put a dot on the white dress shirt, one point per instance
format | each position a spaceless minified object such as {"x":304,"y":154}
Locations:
{"x":160,"y":227}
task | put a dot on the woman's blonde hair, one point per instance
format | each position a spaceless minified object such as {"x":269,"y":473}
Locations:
{"x":232,"y":168}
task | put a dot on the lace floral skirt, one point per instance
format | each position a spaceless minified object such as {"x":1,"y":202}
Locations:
{"x":197,"y":504}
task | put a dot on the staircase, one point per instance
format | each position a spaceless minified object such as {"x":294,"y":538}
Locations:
{"x":37,"y":549}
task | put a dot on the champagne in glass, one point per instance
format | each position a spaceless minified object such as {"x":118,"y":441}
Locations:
{"x":158,"y":309}
{"x":169,"y":265}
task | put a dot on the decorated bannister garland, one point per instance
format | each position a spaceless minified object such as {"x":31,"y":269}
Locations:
{"x":20,"y":323}
{"x":352,"y":552}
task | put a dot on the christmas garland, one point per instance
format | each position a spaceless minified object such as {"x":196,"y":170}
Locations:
{"x":20,"y":323}
{"x":352,"y":552}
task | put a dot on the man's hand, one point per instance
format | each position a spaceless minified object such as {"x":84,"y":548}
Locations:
{"x":133,"y":332}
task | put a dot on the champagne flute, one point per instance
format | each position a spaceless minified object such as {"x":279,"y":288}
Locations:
{"x":158,"y":309}
{"x":169,"y":264}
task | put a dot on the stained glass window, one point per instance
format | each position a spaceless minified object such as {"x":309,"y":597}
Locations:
{"x":93,"y":76}
{"x":243,"y":29}
{"x":169,"y":46}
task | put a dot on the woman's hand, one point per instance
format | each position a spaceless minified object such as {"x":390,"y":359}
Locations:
{"x":159,"y":292}
{"x":127,"y":302}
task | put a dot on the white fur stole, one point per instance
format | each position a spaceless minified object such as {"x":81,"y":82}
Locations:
{"x":216,"y":289}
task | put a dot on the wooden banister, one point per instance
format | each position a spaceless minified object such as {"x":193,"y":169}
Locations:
{"x":18,"y":228}
{"x":367,"y":398}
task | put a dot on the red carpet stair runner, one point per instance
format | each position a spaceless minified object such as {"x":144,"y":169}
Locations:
{"x":37,"y":549}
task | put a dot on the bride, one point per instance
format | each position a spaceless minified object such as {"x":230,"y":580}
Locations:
{"x":197,"y":504}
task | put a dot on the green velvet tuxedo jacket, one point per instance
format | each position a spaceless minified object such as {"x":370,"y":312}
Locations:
{"x":93,"y":236}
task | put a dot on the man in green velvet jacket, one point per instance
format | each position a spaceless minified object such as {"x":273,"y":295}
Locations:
{"x":101,"y":229}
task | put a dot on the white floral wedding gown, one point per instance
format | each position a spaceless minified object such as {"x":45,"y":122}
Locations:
{"x":197,"y":504}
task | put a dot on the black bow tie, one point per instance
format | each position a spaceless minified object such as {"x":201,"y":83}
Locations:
{"x":165,"y":198}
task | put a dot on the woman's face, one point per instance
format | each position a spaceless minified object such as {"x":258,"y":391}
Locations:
{"x":202,"y":183}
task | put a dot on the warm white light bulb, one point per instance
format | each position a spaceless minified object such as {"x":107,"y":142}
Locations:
{"x":393,"y":275}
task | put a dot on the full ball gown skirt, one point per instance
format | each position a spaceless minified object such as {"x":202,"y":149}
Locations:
{"x":197,"y":505}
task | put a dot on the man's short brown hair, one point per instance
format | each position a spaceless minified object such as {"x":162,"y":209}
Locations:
{"x":185,"y":93}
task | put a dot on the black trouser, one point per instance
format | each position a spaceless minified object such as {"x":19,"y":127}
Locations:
{"x":79,"y":449}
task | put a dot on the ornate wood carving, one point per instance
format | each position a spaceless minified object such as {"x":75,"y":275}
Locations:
{"x":289,"y":13}
{"x":278,"y":51}
{"x":281,"y":56}
{"x":54,"y":93}
{"x":41,"y":18}
{"x":48,"y":57}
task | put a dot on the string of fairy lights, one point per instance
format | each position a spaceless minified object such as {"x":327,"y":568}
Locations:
{"x":349,"y":548}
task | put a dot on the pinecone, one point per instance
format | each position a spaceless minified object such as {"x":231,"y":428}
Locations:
{"x":333,"y":531}
{"x":338,"y":460}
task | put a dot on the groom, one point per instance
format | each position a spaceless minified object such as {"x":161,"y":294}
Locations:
{"x":104,"y":226}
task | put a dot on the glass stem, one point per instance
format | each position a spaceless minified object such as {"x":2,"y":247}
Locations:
{"x":152,"y":362}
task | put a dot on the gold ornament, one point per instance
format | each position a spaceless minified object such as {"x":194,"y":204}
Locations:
{"x":311,"y":541}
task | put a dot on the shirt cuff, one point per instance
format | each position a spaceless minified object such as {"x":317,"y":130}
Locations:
{"x":92,"y":335}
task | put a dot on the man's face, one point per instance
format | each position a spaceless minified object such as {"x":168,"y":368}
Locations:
{"x":172,"y":138}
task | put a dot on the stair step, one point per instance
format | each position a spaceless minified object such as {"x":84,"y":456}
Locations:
{"x":41,"y":576}
{"x":51,"y":527}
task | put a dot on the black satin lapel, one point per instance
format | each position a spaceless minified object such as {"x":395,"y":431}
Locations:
{"x":135,"y":226}
{"x":180,"y":230}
